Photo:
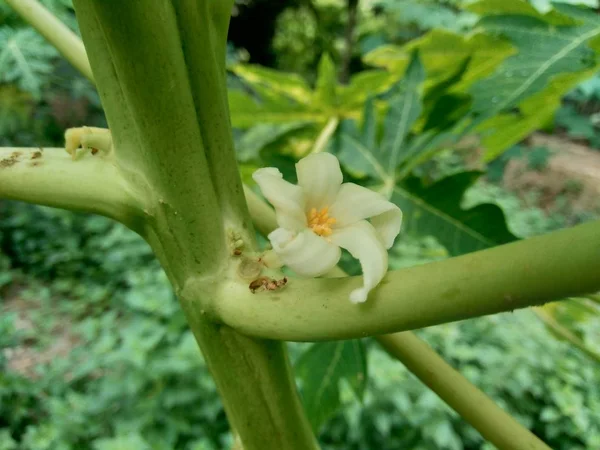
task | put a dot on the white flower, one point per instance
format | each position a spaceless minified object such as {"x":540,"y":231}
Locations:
{"x":320,"y":215}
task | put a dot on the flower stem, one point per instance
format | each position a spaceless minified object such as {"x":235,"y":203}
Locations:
{"x":473,"y":405}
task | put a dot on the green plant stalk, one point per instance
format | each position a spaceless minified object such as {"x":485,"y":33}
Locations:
{"x":204,"y":45}
{"x":50,"y":177}
{"x":141,"y":54}
{"x":57,"y":33}
{"x":140,"y":70}
{"x":494,"y":424}
{"x":525,"y":273}
{"x":325,"y":135}
{"x":458,"y":392}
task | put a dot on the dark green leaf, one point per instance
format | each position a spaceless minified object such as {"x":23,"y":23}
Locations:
{"x":321,"y":369}
{"x":435,"y":210}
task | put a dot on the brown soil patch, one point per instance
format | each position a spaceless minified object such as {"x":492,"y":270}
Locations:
{"x":25,"y":357}
{"x":574,"y":169}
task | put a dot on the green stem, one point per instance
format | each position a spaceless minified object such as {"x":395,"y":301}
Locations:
{"x":57,"y":33}
{"x":525,"y":273}
{"x":136,"y":54}
{"x":204,"y":46}
{"x":50,"y":177}
{"x":170,"y":132}
{"x":325,"y":135}
{"x":474,"y":406}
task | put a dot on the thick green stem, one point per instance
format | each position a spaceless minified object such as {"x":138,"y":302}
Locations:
{"x":57,"y":33}
{"x":159,"y":67}
{"x":474,"y":406}
{"x":526,"y":273}
{"x":204,"y":44}
{"x":49,"y":176}
{"x":135,"y":52}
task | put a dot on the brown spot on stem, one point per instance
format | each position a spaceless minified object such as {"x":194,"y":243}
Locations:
{"x":36,"y":155}
{"x":10,"y":161}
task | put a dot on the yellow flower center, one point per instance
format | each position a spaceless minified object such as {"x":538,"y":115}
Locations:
{"x":320,"y":222}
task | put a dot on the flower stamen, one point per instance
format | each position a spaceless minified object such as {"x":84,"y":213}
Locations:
{"x":320,"y":222}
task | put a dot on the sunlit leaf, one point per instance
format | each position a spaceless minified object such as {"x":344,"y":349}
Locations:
{"x":326,"y":86}
{"x":278,"y":97}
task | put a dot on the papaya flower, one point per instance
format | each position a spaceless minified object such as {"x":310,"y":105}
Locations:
{"x":321,"y":215}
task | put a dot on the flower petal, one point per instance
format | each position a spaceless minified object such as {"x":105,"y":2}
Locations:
{"x":287,"y":198}
{"x":305,"y":253}
{"x":320,"y":177}
{"x":363,"y":243}
{"x":354,"y":203}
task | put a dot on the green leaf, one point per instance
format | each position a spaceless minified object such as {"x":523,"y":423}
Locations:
{"x":360,"y":152}
{"x":404,"y":111}
{"x":555,"y":52}
{"x":443,"y":52}
{"x":325,"y":89}
{"x":517,"y":8}
{"x":25,"y":59}
{"x":281,"y":97}
{"x":289,"y":85}
{"x":435,"y":210}
{"x":504,"y":130}
{"x":321,"y":369}
{"x":545,"y":50}
{"x":260,"y":136}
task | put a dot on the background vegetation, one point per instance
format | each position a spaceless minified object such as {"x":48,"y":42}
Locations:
{"x":95,"y":352}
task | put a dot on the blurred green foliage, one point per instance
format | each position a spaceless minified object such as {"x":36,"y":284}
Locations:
{"x":94,"y":350}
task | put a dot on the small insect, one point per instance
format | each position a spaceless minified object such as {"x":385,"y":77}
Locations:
{"x":267,"y":283}
{"x":237,"y":252}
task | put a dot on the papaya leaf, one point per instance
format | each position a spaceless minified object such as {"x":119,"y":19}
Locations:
{"x":404,"y":111}
{"x":278,"y":97}
{"x":555,"y":52}
{"x":435,"y":210}
{"x":25,"y":59}
{"x":545,"y":50}
{"x":443,"y":52}
{"x":326,"y":86}
{"x":248,"y":147}
{"x":518,"y":8}
{"x":362,"y":154}
{"x":321,"y":369}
